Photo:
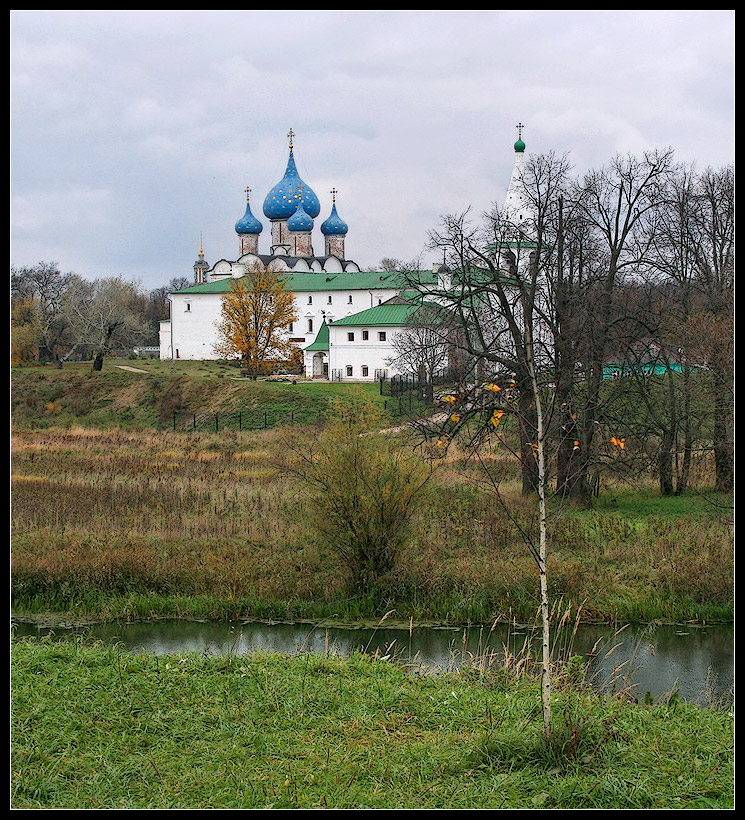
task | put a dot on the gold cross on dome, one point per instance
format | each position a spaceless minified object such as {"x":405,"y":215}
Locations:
{"x":519,"y":127}
{"x":334,"y":192}
{"x":248,"y":191}
{"x":290,"y":135}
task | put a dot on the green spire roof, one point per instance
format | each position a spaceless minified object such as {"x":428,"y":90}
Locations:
{"x":321,"y":341}
{"x":519,"y":145}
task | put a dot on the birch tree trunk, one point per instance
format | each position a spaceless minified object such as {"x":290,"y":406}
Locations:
{"x":542,"y":557}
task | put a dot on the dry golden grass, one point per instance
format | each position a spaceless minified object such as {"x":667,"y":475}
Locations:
{"x":200,"y":514}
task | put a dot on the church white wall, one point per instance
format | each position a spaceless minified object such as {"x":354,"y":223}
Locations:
{"x":164,"y":339}
{"x":192,"y":332}
{"x":194,"y":321}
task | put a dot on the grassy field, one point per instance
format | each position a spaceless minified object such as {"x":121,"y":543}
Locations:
{"x":128,"y":524}
{"x":94,"y":728}
{"x":115,"y":514}
{"x":43,"y":397}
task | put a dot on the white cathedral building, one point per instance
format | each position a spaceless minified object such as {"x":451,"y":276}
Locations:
{"x":347,"y":318}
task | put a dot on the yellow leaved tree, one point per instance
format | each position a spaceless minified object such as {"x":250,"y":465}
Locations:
{"x":257,"y":310}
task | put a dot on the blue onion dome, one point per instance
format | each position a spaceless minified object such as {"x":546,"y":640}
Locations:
{"x":248,"y":223}
{"x":334,"y":225}
{"x":301,"y":220}
{"x":281,"y":201}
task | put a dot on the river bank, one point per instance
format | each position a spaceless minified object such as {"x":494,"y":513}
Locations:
{"x":94,"y":727}
{"x":646,"y":661}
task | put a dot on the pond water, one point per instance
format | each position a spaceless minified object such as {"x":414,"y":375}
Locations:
{"x":695,"y":660}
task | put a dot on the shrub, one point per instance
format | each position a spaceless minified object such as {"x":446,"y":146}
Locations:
{"x":362,"y":490}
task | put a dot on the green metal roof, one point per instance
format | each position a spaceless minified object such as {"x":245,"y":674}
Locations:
{"x":393,"y":315}
{"x":649,"y":369}
{"x":321,"y":342}
{"x":396,"y":312}
{"x":364,"y":280}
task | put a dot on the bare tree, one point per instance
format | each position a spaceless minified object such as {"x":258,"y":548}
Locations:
{"x":179,"y":283}
{"x":618,"y":206}
{"x":714,"y":282}
{"x":676,"y":348}
{"x":389,"y":263}
{"x":104,"y":314}
{"x":44,"y":286}
{"x":423,"y":348}
{"x":678,"y":243}
{"x":502,"y":298}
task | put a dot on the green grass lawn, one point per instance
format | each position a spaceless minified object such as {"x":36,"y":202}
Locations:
{"x":94,"y":728}
{"x":120,"y":396}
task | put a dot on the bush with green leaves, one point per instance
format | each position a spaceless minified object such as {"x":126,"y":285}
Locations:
{"x":361,"y":489}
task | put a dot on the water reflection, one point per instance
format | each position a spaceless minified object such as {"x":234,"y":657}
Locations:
{"x":697,"y":661}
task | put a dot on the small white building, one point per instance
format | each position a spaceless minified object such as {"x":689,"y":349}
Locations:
{"x":362,"y":347}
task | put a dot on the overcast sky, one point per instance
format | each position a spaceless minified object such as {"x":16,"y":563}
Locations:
{"x":132,"y":132}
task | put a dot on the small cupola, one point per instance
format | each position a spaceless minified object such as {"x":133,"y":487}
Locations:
{"x":334,"y":229}
{"x":248,"y":229}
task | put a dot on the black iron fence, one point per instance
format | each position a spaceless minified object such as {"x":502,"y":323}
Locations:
{"x":410,"y":395}
{"x":424,"y":388}
{"x":402,"y":404}
{"x":241,"y":420}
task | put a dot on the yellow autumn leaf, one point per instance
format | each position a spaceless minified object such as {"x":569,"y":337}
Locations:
{"x":497,"y":417}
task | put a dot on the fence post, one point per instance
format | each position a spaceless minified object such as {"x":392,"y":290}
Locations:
{"x":240,"y":421}
{"x":217,"y":422}
{"x":194,"y":422}
{"x":265,"y":421}
{"x":174,"y":422}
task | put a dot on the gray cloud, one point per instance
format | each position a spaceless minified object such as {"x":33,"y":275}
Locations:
{"x":134,"y":131}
